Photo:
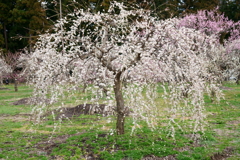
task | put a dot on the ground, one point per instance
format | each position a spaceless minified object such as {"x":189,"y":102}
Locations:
{"x":86,"y":134}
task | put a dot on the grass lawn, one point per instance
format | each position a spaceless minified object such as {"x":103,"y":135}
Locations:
{"x":92,"y":136}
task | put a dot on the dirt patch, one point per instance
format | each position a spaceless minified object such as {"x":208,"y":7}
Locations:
{"x":31,"y":101}
{"x":222,"y":156}
{"x":225,"y":88}
{"x":182,"y":149}
{"x":234,"y":122}
{"x":224,"y":132}
{"x":87,"y":109}
{"x":196,"y":139}
{"x":23,"y":101}
{"x":17,"y":117}
{"x":47,"y":145}
{"x":152,"y":157}
{"x":4,"y":89}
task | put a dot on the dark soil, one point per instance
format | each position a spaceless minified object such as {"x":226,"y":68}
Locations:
{"x":88,"y":109}
{"x":30,"y":101}
{"x":222,"y":156}
{"x":47,"y":145}
{"x":4,"y":89}
{"x":24,"y":101}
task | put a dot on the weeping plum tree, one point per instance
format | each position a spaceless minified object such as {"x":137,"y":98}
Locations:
{"x":126,"y":45}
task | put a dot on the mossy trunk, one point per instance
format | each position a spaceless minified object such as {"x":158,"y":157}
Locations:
{"x":120,"y":104}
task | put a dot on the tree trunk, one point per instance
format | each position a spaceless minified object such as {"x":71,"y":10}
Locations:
{"x":30,"y":43}
{"x":16,"y":85}
{"x":238,"y":78}
{"x":120,"y":104}
{"x":5,"y":36}
{"x":84,"y":87}
{"x":1,"y":80}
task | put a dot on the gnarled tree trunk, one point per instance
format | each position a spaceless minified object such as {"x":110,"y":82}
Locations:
{"x":120,"y":103}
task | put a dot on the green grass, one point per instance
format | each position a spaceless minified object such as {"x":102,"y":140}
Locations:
{"x":91,"y":135}
{"x":7,"y":97}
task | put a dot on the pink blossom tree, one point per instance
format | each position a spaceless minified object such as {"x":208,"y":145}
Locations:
{"x":126,"y":46}
{"x":226,"y":31}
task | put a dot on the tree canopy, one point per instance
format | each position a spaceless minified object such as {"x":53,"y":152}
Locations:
{"x":121,"y":45}
{"x":21,"y":21}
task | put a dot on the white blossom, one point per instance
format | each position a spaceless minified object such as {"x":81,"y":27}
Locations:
{"x":145,"y":51}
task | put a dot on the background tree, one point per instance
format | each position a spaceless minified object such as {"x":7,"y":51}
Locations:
{"x":16,"y":67}
{"x":165,"y":8}
{"x":68,"y":6}
{"x":4,"y":70}
{"x":161,"y":8}
{"x":29,"y":19}
{"x":121,"y":48}
{"x":213,"y":23}
{"x":1,"y":37}
{"x":192,"y":6}
{"x":21,"y":21}
{"x":231,"y":9}
{"x":5,"y":21}
{"x":226,"y":31}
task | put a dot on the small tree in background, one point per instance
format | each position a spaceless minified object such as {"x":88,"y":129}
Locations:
{"x":4,"y":70}
{"x":14,"y":64}
{"x":131,"y":47}
{"x":232,"y":59}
